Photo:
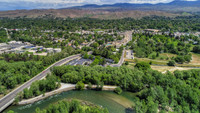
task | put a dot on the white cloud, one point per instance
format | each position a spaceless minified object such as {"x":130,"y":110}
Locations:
{"x":89,"y":1}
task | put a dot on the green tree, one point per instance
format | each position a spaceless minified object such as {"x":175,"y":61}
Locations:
{"x":80,"y":86}
{"x":118,"y":90}
{"x":89,"y":86}
{"x":126,"y":63}
{"x":171,"y":63}
{"x":143,"y":66}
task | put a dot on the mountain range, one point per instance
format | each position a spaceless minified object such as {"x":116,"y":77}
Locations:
{"x":113,"y":11}
{"x":123,"y":4}
{"x":175,"y":6}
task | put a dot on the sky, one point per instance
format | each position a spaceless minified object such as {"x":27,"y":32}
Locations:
{"x":89,"y":1}
{"x":44,"y":4}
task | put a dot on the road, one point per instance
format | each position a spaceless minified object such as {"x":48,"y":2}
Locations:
{"x":90,"y":43}
{"x":128,"y":38}
{"x":9,"y":98}
{"x":121,"y":60}
{"x":7,"y":33}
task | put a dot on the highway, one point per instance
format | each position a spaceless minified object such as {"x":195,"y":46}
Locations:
{"x":9,"y":98}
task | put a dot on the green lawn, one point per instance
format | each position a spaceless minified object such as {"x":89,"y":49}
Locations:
{"x":162,"y":56}
{"x":155,"y":62}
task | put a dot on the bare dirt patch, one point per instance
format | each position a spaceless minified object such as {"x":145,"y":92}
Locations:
{"x":195,"y":59}
{"x":164,"y":69}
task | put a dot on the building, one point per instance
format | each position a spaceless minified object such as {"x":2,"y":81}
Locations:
{"x":57,"y":50}
{"x":49,"y":50}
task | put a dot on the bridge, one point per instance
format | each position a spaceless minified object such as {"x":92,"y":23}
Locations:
{"x":10,"y":97}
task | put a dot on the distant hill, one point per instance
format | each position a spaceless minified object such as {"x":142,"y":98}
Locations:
{"x":78,"y":13}
{"x":175,"y":6}
{"x":115,"y":11}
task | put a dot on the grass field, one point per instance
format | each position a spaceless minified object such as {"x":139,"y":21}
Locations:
{"x":155,"y":62}
{"x":160,"y":63}
{"x":162,"y":56}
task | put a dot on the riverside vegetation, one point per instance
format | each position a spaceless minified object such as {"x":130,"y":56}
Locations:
{"x":170,"y":92}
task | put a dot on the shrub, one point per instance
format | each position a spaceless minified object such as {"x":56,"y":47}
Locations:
{"x":180,"y":59}
{"x":126,"y":63}
{"x":80,"y":86}
{"x":89,"y":86}
{"x":171,"y":63}
{"x":118,"y":90}
{"x":153,"y":57}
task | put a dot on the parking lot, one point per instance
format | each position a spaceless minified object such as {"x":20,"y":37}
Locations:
{"x":79,"y":62}
{"x":129,"y":54}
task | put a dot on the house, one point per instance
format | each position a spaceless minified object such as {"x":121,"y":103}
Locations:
{"x":49,"y":50}
{"x":57,"y":50}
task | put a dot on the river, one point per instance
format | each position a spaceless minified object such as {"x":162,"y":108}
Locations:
{"x":113,"y":102}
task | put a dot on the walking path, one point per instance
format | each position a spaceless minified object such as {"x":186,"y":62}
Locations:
{"x":63,"y":88}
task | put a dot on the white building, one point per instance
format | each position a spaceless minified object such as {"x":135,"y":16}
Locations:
{"x":57,"y":50}
{"x":49,"y":50}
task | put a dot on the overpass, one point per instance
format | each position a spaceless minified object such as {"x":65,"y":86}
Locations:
{"x":10,"y":97}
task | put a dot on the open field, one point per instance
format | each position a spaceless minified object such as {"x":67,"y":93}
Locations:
{"x":161,"y":65}
{"x":195,"y":59}
{"x":161,"y":60}
{"x":163,"y":69}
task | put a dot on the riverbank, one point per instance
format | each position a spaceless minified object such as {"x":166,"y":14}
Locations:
{"x":107,"y":99}
{"x":63,"y":88}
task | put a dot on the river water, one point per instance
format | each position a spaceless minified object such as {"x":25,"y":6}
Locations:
{"x":113,"y":102}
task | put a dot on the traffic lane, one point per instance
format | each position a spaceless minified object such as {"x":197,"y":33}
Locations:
{"x":12,"y":95}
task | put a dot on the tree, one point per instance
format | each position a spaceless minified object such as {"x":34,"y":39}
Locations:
{"x":196,"y":49}
{"x":188,"y":58}
{"x":171,"y":63}
{"x":80,"y":86}
{"x":10,"y":111}
{"x":2,"y":89}
{"x":99,"y":85}
{"x":143,"y":66}
{"x":86,"y":56}
{"x":180,"y":59}
{"x":126,"y":63}
{"x":118,"y":90}
{"x":153,"y":56}
{"x":89,"y":86}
